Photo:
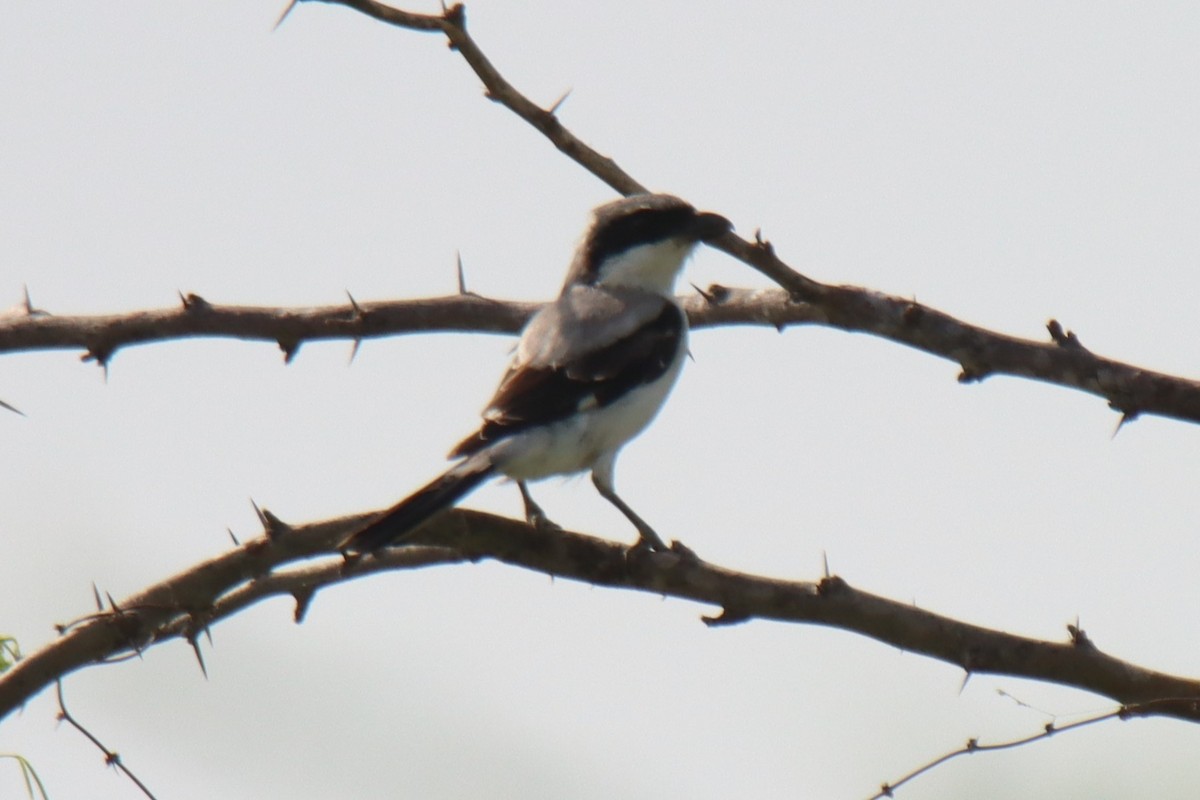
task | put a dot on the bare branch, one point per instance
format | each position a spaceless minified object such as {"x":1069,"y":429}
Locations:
{"x":1049,"y":729}
{"x":186,"y":604}
{"x":105,"y":334}
{"x":111,"y":758}
{"x":1128,"y":389}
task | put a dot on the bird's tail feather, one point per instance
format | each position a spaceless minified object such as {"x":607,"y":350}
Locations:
{"x":404,"y":517}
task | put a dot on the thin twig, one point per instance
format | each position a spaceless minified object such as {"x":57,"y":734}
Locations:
{"x":111,"y":757}
{"x":1049,"y":729}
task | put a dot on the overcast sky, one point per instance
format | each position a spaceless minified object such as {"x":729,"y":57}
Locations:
{"x":1006,"y":163}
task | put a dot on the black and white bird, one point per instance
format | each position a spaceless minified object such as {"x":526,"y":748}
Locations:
{"x":590,"y":371}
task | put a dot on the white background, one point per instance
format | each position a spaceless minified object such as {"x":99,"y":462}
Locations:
{"x":1006,"y":163}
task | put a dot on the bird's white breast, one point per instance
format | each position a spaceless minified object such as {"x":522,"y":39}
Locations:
{"x":577,"y":443}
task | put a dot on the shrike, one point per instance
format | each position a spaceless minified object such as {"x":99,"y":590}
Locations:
{"x":590,"y":371}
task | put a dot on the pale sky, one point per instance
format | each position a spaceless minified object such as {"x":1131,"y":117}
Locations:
{"x":1005,"y":163}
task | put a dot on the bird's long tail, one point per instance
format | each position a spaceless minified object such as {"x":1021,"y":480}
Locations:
{"x":404,"y":517}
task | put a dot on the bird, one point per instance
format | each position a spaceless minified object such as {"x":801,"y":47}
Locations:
{"x":589,"y":373}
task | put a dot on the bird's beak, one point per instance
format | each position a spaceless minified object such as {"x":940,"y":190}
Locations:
{"x":709,"y":226}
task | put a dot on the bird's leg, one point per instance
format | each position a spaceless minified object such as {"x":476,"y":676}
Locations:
{"x":646,"y":535}
{"x":533,"y":512}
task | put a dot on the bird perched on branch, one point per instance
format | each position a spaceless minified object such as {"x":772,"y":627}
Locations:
{"x":590,"y":371}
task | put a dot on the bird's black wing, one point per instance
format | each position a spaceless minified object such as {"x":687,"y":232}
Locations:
{"x":539,"y":391}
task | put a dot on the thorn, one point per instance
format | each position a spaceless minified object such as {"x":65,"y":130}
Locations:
{"x":193,"y":302}
{"x":1078,"y":637}
{"x":289,"y":348}
{"x":273,"y":526}
{"x":288,"y":10}
{"x":462,"y":281}
{"x":708,"y":298}
{"x":830,"y":585}
{"x":971,"y":374}
{"x":728,"y":616}
{"x":113,"y":603}
{"x":303,"y":599}
{"x":558,"y":103}
{"x":199,"y":656}
{"x":96,"y":595}
{"x":13,"y":409}
{"x":1065,"y":339}
{"x":101,"y":356}
{"x":962,"y":686}
{"x":236,"y":543}
{"x":1127,"y":416}
{"x":262,"y":520}
{"x":357,"y":315}
{"x":913,"y":313}
{"x":762,"y":244}
{"x":28,"y":307}
{"x":825,"y":564}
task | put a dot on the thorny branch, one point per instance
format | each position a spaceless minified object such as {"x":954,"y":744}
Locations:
{"x":100,"y":337}
{"x":185,"y":605}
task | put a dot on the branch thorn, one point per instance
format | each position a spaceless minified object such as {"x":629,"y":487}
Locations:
{"x":290,"y":348}
{"x":728,"y":616}
{"x":193,"y":302}
{"x":273,"y":526}
{"x":462,"y":281}
{"x":287,"y":10}
{"x":195,"y":643}
{"x":708,"y":298}
{"x":101,"y":356}
{"x":27,"y":306}
{"x":1127,"y":415}
{"x":553,"y":109}
{"x":1064,"y":339}
{"x":763,"y":244}
{"x":1078,"y":637}
{"x":303,"y":599}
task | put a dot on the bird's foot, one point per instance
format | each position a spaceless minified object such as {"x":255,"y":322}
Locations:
{"x":646,"y":545}
{"x":538,"y":519}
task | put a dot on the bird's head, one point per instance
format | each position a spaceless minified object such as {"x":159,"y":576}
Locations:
{"x":641,"y":242}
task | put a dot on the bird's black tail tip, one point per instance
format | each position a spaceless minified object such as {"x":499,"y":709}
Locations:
{"x":422,"y":505}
